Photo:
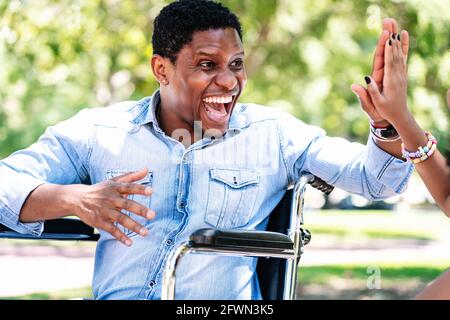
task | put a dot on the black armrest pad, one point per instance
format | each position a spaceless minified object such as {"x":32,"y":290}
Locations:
{"x":232,"y":239}
{"x":321,"y":185}
{"x":58,"y":229}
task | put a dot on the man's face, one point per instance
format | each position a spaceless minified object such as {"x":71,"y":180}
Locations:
{"x":207,"y":79}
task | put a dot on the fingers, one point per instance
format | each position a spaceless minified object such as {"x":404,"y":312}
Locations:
{"x":116,"y":233}
{"x":390,"y":25}
{"x":364,"y":98}
{"x":404,"y":38}
{"x":374,"y":92}
{"x":134,"y":188}
{"x":127,"y":222}
{"x":378,"y":59}
{"x":132,"y":176}
{"x":396,"y":48}
{"x":133,"y":206}
{"x":389,"y":56}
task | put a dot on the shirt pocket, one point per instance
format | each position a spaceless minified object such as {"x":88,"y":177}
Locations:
{"x":141,"y":199}
{"x":231,"y":197}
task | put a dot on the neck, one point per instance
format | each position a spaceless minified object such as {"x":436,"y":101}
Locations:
{"x":173,"y":126}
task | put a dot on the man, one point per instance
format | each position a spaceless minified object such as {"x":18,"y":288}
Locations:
{"x":210,"y":160}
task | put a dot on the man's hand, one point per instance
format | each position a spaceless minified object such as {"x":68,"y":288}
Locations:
{"x":100,"y":205}
{"x":391,"y":104}
{"x":389,"y":27}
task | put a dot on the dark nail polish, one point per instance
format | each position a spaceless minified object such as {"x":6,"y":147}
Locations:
{"x":393,"y":36}
{"x":398,"y":37}
{"x":390,"y":42}
{"x":367,"y":79}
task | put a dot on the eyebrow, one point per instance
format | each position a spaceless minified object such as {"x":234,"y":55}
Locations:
{"x":210,"y":54}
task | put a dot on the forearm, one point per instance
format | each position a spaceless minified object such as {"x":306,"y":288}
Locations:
{"x":394,"y":148}
{"x":438,"y":289}
{"x":412,"y":136}
{"x":435,"y":175}
{"x":433,"y":171}
{"x":49,"y":201}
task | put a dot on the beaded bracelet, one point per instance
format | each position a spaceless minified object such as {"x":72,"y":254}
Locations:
{"x":422,"y":153}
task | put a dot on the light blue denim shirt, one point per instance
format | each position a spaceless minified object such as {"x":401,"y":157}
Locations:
{"x":229,"y":182}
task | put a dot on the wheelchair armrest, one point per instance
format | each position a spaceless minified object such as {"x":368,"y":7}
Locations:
{"x":240,"y":239}
{"x":58,"y":229}
{"x":321,"y":185}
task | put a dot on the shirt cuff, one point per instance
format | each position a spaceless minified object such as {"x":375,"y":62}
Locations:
{"x":388,"y":170}
{"x":10,"y":208}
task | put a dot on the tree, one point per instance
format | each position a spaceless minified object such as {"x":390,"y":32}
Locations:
{"x":58,"y":57}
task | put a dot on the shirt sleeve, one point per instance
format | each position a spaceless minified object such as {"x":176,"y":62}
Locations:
{"x":58,"y":157}
{"x":365,"y":170}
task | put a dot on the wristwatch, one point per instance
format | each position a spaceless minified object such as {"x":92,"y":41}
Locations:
{"x":386,"y":134}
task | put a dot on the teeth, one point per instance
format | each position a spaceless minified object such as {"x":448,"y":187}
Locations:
{"x":216,"y":113}
{"x":218,"y":99}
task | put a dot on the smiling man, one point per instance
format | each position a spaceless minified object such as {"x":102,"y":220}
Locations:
{"x":149,"y":173}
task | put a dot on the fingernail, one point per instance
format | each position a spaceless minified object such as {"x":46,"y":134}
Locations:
{"x":143,"y":231}
{"x":390,"y":42}
{"x":393,"y":36}
{"x":150,"y":214}
{"x":398,"y":37}
{"x":148,"y":190}
{"x":128,"y":242}
{"x":367,"y":79}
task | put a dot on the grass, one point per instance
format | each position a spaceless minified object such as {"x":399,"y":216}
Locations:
{"x":360,"y":282}
{"x":388,"y":273}
{"x":379,"y":224}
{"x":78,"y":293}
{"x":370,"y":233}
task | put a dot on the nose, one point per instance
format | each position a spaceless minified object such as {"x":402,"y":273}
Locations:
{"x":227,"y":80}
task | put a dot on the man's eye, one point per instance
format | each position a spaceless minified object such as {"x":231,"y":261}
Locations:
{"x":237,"y":64}
{"x":207,"y":64}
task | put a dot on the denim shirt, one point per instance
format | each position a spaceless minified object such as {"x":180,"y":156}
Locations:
{"x":232,"y":181}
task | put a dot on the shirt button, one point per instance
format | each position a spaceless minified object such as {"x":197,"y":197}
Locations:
{"x":152,"y":283}
{"x":169,"y":242}
{"x":182,"y":205}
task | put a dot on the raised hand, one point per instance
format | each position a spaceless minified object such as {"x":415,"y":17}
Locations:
{"x":378,"y":69}
{"x":100,"y":205}
{"x":390,"y":104}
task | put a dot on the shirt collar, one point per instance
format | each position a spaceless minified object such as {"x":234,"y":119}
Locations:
{"x":146,"y":110}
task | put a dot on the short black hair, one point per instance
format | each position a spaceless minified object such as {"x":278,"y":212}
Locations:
{"x":175,"y":25}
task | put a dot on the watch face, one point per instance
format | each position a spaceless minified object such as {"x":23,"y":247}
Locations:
{"x":389,"y":132}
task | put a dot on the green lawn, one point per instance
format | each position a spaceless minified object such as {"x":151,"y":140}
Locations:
{"x":424,"y":225}
{"x":388,"y":273}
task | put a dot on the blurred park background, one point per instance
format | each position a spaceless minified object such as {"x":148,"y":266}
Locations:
{"x":57,"y":57}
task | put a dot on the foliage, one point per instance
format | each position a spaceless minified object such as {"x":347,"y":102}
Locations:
{"x":57,"y":57}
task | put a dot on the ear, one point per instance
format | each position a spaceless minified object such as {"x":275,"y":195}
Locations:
{"x":160,"y":69}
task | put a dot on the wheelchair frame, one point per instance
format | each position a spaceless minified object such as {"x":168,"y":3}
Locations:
{"x":263,"y":244}
{"x":236,"y":243}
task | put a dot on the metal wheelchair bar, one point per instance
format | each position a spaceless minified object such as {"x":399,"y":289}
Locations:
{"x":294,"y":232}
{"x":168,"y":285}
{"x":291,"y":256}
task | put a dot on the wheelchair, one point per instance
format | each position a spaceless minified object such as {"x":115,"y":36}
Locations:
{"x":278,"y":249}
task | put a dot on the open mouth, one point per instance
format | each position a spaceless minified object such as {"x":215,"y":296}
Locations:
{"x":218,"y":107}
